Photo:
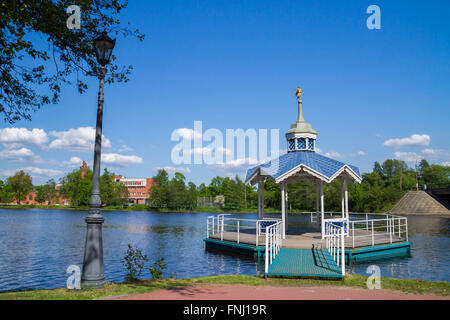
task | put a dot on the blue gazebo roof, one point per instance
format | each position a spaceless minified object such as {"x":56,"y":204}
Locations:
{"x":307,"y":162}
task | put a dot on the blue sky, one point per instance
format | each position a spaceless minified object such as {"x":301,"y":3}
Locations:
{"x":236,"y":64}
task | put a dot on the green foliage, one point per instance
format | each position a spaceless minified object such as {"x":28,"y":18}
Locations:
{"x":77,"y":188}
{"x":134,"y":262}
{"x":47,"y":192}
{"x":36,"y":31}
{"x":6,"y":194}
{"x":156,"y":269}
{"x":435,"y":176}
{"x":111,"y":192}
{"x":21,"y":185}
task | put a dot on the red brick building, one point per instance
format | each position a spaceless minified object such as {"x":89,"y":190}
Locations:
{"x":138,"y":188}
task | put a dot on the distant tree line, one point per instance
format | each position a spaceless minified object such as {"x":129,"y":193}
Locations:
{"x":378,"y":192}
{"x":75,"y":186}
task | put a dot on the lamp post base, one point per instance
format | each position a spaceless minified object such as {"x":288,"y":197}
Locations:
{"x":93,"y":268}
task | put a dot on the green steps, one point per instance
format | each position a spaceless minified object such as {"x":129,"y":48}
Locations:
{"x":305,"y":263}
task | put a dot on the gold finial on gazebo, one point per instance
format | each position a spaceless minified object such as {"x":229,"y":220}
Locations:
{"x":298,"y":93}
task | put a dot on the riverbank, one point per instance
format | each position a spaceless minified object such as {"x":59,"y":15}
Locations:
{"x":403,"y":286}
{"x":142,"y":207}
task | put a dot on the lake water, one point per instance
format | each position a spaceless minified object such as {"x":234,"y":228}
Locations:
{"x":37,"y":246}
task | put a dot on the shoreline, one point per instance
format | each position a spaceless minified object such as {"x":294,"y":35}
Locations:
{"x":352,"y":282}
{"x":198,"y":210}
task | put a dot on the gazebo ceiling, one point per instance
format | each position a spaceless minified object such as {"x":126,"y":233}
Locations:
{"x":302,"y":165}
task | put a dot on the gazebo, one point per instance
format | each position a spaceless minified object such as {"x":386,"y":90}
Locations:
{"x":303,"y":162}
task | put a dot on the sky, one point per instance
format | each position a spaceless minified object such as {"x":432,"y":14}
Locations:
{"x":371,"y":94}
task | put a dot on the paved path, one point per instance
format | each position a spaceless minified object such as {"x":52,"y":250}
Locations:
{"x":245,"y":292}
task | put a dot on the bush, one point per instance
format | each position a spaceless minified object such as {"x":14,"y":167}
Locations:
{"x":156,"y":269}
{"x":134,"y":262}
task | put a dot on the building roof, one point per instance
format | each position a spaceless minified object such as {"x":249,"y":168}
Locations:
{"x":302,"y":163}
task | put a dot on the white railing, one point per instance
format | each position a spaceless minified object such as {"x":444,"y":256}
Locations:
{"x":387,"y":228}
{"x":273,"y":243}
{"x":335,"y":243}
{"x":342,"y":222}
{"x":218,"y":225}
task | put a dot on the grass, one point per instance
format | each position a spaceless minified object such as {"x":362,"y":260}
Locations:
{"x":117,"y":289}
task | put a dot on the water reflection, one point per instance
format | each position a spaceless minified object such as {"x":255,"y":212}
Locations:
{"x":36,"y":246}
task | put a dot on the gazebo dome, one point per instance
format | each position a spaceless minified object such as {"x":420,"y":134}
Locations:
{"x":301,"y":136}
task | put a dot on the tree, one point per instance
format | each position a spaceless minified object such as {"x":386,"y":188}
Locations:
{"x":77,"y":188}
{"x":41,"y":194}
{"x":111,"y":192}
{"x":6,"y":195}
{"x":21,"y":185}
{"x":159,"y":193}
{"x":191,"y":196}
{"x":38,"y":30}
{"x":435,"y":176}
{"x":47,"y":192}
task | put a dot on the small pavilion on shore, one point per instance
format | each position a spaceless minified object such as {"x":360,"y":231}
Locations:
{"x":302,"y":162}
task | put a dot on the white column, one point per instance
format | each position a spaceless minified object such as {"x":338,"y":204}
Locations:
{"x":262,"y":200}
{"x":286,"y":198}
{"x":317,"y":199}
{"x":283,"y":208}
{"x":346,"y":199}
{"x":342,"y":199}
{"x":259,"y":200}
{"x":322,"y":209}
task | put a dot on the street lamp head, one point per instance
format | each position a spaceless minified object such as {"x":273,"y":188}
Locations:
{"x":103,"y":46}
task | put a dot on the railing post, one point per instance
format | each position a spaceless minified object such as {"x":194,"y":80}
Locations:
{"x":367,"y":223}
{"x":212,"y":225}
{"x":399,"y":233}
{"x":238,"y":231}
{"x":257,"y":233}
{"x":270,"y":245}
{"x":266,"y":256}
{"x":390,"y":230}
{"x":342,"y":254}
{"x":373,"y":240}
{"x":353,"y":234}
{"x":221,"y":234}
{"x":406,"y":228}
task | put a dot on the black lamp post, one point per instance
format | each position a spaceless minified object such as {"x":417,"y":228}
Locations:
{"x":93,"y":268}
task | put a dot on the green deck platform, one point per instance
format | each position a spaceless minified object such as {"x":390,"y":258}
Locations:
{"x":307,"y":263}
{"x":230,"y":246}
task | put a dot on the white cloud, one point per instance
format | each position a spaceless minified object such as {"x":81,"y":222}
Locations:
{"x":445,"y":163}
{"x":125,"y":148}
{"x":408,"y":156}
{"x":172,"y":170}
{"x":237,"y":165}
{"x":77,"y":140}
{"x":16,"y":137}
{"x":72,"y":163}
{"x":361,"y":153}
{"x":187,"y":134}
{"x":115,"y":159}
{"x":412,"y":141}
{"x":33,"y":171}
{"x":333,"y":154}
{"x":436,"y":154}
{"x":19,"y":155}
